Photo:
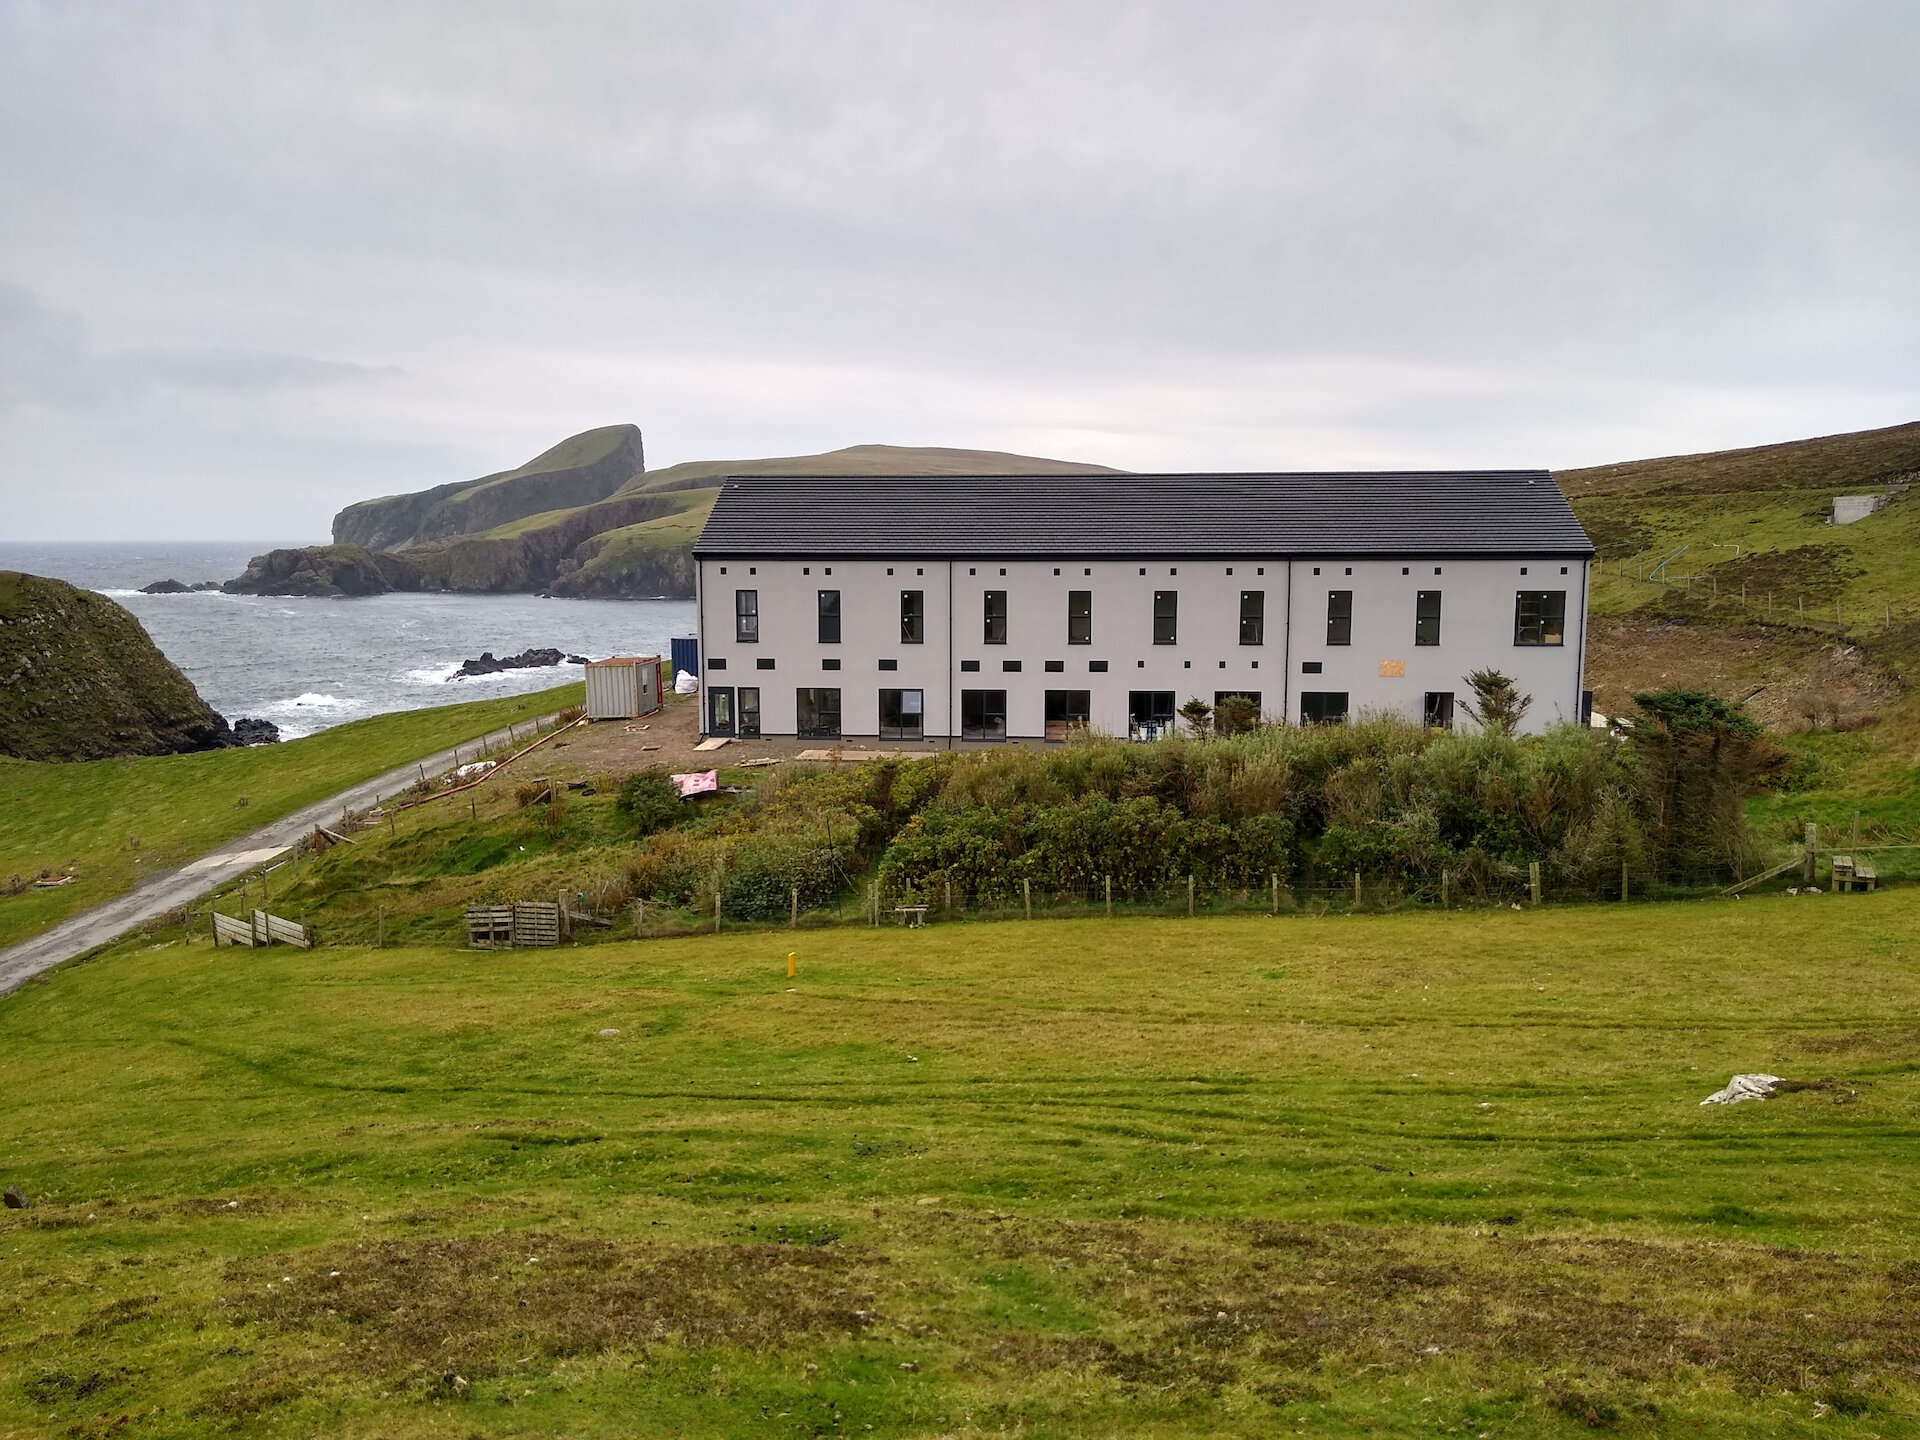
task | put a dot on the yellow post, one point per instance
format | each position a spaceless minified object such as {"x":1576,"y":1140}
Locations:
{"x":793,"y":964}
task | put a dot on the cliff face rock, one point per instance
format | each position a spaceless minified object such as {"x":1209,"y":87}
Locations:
{"x":327,"y":571}
{"x":81,"y":680}
{"x":580,"y":470}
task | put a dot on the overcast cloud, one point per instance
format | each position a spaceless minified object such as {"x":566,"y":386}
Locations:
{"x":259,"y":260}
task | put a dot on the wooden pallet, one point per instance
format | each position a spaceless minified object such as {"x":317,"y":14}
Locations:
{"x":504,"y":927}
{"x":490,"y":927}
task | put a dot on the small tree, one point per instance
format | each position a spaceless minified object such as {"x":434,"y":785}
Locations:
{"x":1198,"y":714}
{"x":1700,"y":758}
{"x":1235,"y":715}
{"x":651,"y":799}
{"x":1497,"y":704}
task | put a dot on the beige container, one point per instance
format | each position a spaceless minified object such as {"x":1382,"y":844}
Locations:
{"x":623,"y":687}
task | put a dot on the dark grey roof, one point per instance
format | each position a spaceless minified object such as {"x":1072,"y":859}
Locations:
{"x":1479,"y":512}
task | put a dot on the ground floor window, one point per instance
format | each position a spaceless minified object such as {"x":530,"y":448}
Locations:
{"x":1067,"y":712}
{"x":719,"y":709}
{"x":1439,"y":710}
{"x":1150,"y":714}
{"x":817,"y":713}
{"x":983,"y":714}
{"x":902,"y":714}
{"x":749,"y":712}
{"x":1323,"y":707}
{"x":1235,"y":711}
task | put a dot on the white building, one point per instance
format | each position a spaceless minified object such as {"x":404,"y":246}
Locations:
{"x":1008,"y":607}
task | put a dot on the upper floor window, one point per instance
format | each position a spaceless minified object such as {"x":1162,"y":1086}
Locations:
{"x":1166,"y":617}
{"x":746,"y":616}
{"x":1540,"y":617}
{"x":996,"y":617}
{"x":1426,"y":618}
{"x":1079,"y":617}
{"x":829,"y":617}
{"x":1253,"y":617}
{"x":913,"y":617}
{"x":1339,"y":617}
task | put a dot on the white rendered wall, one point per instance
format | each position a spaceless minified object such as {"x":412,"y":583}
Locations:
{"x":1477,"y":625}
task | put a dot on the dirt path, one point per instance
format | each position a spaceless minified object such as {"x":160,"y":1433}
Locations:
{"x":160,"y":893}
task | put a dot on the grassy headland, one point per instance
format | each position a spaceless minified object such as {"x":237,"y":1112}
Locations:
{"x":1405,"y":1174}
{"x":113,"y":822}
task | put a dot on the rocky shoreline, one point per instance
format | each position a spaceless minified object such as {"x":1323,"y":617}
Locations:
{"x":488,"y":664}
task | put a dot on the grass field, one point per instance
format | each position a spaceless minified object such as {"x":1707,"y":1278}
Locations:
{"x":1408,"y":1174}
{"x":117,"y":821}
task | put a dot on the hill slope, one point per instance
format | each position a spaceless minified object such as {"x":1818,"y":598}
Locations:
{"x":81,"y":680}
{"x":584,"y":518}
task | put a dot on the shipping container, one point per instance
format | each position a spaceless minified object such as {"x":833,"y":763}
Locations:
{"x":623,"y":687}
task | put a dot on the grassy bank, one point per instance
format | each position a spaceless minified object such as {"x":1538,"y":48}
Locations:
{"x":1405,"y":1174}
{"x":116,"y":821}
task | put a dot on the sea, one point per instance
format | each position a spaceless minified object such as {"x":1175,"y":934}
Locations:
{"x":308,"y":664}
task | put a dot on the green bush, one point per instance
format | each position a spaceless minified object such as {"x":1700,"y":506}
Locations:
{"x":651,"y":800}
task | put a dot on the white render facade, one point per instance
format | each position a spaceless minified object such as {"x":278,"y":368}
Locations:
{"x":1024,"y":646}
{"x":1288,"y":657}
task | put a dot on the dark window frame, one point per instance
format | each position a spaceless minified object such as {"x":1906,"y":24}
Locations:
{"x":1339,"y":618}
{"x":1437,"y":710}
{"x":1540,"y":617}
{"x":829,"y":613}
{"x":746,"y":617}
{"x":1253,"y":617}
{"x":1080,"y":617}
{"x":993,"y":617}
{"x":1426,"y":617}
{"x":913,"y":617}
{"x":1151,"y":714}
{"x":741,"y":710}
{"x":819,"y":729}
{"x":983,"y":714}
{"x":1066,"y":711}
{"x":1166,"y":617}
{"x":900,"y":729}
{"x":1325,"y":712}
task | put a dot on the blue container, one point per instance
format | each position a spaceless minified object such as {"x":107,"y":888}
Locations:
{"x":686,"y":655}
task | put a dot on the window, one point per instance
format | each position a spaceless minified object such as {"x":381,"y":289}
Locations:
{"x":1426,"y":618}
{"x":1439,"y":710}
{"x":1252,"y":697}
{"x":1540,"y":617}
{"x":817,"y":714}
{"x":1012,"y":667}
{"x":1253,"y":617}
{"x":1097,"y":667}
{"x":913,"y":617}
{"x":1235,"y":711}
{"x":1054,"y":667}
{"x":1067,"y":712}
{"x":1079,"y":617}
{"x":832,"y":662}
{"x":1339,"y":617}
{"x":968,"y":667}
{"x":829,"y":617}
{"x":765,"y":662}
{"x":1166,"y":617}
{"x":996,"y":617}
{"x":746,"y":616}
{"x":901,"y":714}
{"x":749,"y":712}
{"x":1311,"y":667}
{"x":720,"y":710}
{"x":1150,"y":714}
{"x":983,"y":714}
{"x":715,"y":662}
{"x":1323,"y":707}
{"x":889,"y":664}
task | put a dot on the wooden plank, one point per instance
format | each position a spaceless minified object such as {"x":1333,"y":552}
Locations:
{"x":1780,"y":869}
{"x":490,"y":927}
{"x":536,"y":922}
{"x":288,"y":932}
{"x":228,"y":931}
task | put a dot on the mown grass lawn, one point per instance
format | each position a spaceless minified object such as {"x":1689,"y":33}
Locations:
{"x":1403,"y":1174}
{"x":118,"y":821}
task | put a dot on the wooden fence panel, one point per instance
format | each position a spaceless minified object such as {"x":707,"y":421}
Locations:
{"x":536,"y":922}
{"x":286,"y":932}
{"x":490,"y":927}
{"x":228,"y":931}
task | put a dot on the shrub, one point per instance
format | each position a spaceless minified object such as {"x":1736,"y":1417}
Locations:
{"x":651,"y":800}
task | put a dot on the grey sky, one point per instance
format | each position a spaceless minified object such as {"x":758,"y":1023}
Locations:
{"x":259,"y":260}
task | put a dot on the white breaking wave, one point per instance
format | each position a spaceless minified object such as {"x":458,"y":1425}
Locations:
{"x":432,"y":675}
{"x":312,"y":700}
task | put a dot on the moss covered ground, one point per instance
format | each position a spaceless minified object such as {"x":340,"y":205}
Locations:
{"x":114,"y":822}
{"x":1407,"y":1174}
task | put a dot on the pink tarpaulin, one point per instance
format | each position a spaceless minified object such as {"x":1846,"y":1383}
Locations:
{"x":706,"y":780}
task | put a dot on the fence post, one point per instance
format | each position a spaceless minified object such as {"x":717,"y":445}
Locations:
{"x":949,"y":912}
{"x":717,"y":892}
{"x":1189,"y":894}
{"x":1026,"y":894}
{"x":1273,"y":877}
{"x":1856,"y":837}
{"x":1807,"y":859}
{"x":1109,"y":897}
{"x":1623,"y":879}
{"x":1533,"y":878}
{"x":1356,"y":889}
{"x":1446,"y":879}
{"x":793,"y":920}
{"x":873,"y":903}
{"x":380,"y":942}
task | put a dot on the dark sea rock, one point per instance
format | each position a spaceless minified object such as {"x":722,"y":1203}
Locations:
{"x":326,"y":572}
{"x":249,"y":731}
{"x":167,"y":587}
{"x":525,"y":660}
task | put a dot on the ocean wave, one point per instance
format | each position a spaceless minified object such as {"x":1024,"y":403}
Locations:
{"x":312,"y":701}
{"x":432,"y":675}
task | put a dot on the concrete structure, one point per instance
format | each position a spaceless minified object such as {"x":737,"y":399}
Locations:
{"x":1009,"y":607}
{"x":623,"y":687}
